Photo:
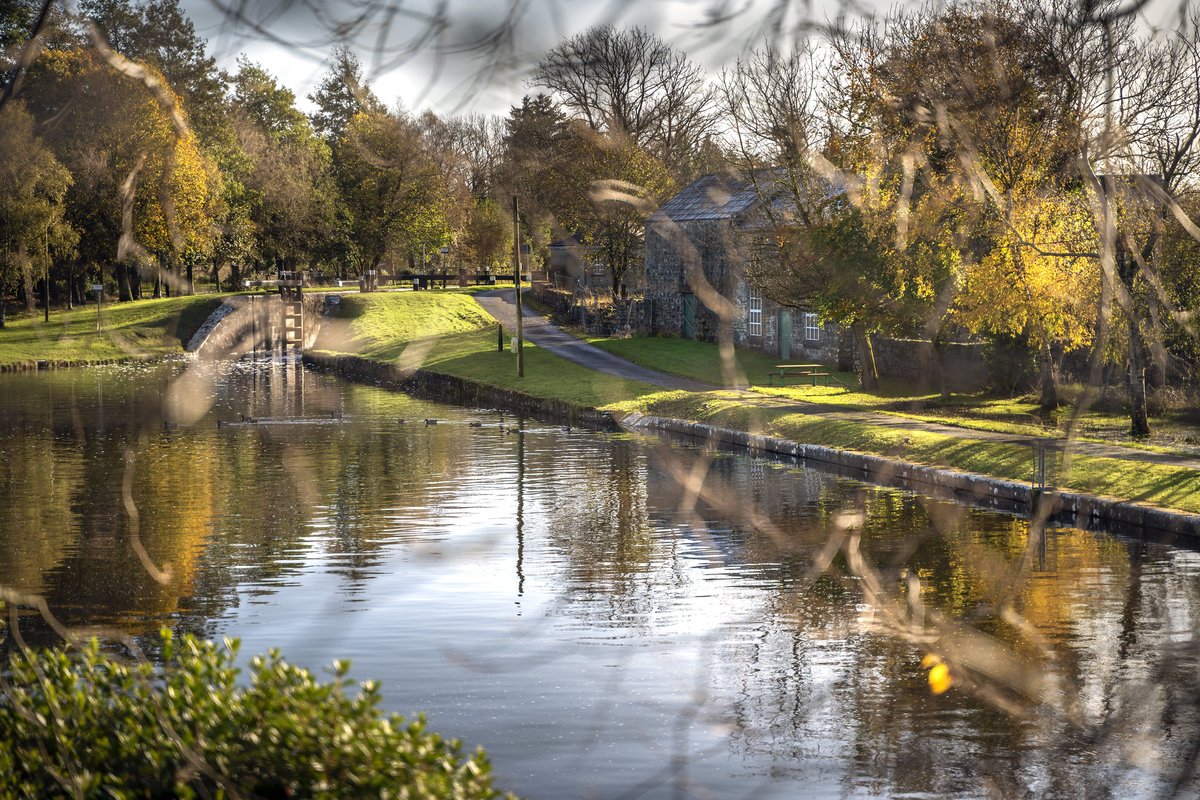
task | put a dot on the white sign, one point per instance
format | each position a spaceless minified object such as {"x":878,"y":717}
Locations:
{"x":97,"y":287}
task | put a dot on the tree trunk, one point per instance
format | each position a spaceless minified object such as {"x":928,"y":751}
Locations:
{"x":868,"y":373}
{"x":1139,"y":422}
{"x":27,"y":274}
{"x":124,"y":291}
{"x":1050,"y":400}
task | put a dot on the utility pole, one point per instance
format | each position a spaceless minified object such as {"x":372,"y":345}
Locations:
{"x":517,"y":280}
{"x":46,"y":284}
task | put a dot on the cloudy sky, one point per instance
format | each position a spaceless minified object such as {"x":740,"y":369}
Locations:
{"x":474,"y":55}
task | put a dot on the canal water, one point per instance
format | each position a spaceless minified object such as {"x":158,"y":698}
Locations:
{"x":610,"y":616}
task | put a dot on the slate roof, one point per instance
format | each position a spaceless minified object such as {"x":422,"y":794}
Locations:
{"x":714,"y":197}
{"x":567,"y":241}
{"x":708,"y":197}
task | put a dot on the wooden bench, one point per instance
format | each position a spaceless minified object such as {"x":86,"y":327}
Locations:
{"x":785,"y":371}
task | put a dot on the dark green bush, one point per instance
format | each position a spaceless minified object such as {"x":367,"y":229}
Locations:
{"x":85,"y":724}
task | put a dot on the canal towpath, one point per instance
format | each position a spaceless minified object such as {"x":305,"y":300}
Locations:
{"x":500,"y":303}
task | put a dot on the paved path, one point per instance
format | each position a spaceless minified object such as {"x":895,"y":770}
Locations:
{"x":539,"y":330}
{"x":500,"y":303}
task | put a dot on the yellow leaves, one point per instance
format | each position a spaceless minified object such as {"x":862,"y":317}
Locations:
{"x":1038,"y":278}
{"x":186,"y":178}
{"x":113,"y":123}
{"x":940,"y":679}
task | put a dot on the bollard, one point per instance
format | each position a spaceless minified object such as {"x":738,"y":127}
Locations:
{"x":499,"y":338}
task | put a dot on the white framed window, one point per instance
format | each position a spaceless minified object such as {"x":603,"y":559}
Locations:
{"x":754,"y":316}
{"x":812,"y":328}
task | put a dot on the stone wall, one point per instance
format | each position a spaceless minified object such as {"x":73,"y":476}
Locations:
{"x":963,"y":366}
{"x":824,"y":348}
{"x":1067,"y":508}
{"x":247,"y":323}
{"x":717,"y":246}
{"x":607,"y":318}
{"x":451,"y":389}
{"x":678,"y":254}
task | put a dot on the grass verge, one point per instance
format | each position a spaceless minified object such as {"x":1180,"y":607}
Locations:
{"x":1160,"y":485}
{"x":449,"y":333}
{"x":137,"y":329}
{"x":1018,"y":416}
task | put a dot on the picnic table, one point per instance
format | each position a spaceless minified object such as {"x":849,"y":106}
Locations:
{"x":785,"y":371}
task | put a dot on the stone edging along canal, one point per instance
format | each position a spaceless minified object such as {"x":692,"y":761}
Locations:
{"x":1069,"y":508}
{"x":59,"y":363}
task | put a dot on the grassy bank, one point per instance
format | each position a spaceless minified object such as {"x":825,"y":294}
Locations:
{"x":1019,"y":416}
{"x":449,"y":333}
{"x":1156,"y":484}
{"x":138,"y":329}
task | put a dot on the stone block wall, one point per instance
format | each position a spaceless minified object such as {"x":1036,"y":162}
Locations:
{"x":718,"y":245}
{"x":963,"y":365}
{"x":710,"y":245}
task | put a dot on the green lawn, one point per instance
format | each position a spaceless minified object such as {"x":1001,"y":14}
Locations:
{"x":382,"y":324}
{"x":449,"y":333}
{"x":137,"y":329}
{"x":700,"y":361}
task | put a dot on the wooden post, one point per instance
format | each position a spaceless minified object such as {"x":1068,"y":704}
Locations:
{"x":517,"y":281}
{"x":500,"y":338}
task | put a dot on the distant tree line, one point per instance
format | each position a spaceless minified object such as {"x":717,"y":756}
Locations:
{"x":131,"y":155}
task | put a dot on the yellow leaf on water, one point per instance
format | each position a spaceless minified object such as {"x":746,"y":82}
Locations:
{"x":940,"y":679}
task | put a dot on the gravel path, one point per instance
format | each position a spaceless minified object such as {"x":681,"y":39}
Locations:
{"x":538,"y":329}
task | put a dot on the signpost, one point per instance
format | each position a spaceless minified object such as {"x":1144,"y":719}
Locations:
{"x":98,"y":288}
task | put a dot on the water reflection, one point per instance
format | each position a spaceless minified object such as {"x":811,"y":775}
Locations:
{"x":610,"y":616}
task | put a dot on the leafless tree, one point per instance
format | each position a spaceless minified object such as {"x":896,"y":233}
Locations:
{"x":631,"y":83}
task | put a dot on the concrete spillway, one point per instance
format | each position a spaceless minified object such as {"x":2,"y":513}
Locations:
{"x":252,"y":323}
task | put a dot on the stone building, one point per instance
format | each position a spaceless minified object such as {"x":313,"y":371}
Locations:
{"x":574,"y":265}
{"x":700,"y":242}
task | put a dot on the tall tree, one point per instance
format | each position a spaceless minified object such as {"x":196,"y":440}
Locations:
{"x":341,"y":93}
{"x":535,"y":149}
{"x":160,"y":34}
{"x":33,"y":185}
{"x":390,"y":185}
{"x":604,"y":188}
{"x":487,"y":237}
{"x":630,"y":83}
{"x":142,"y":187}
{"x":287,"y":175}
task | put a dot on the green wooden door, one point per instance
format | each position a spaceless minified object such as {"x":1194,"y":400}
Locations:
{"x":785,"y":335}
{"x":689,"y":316}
